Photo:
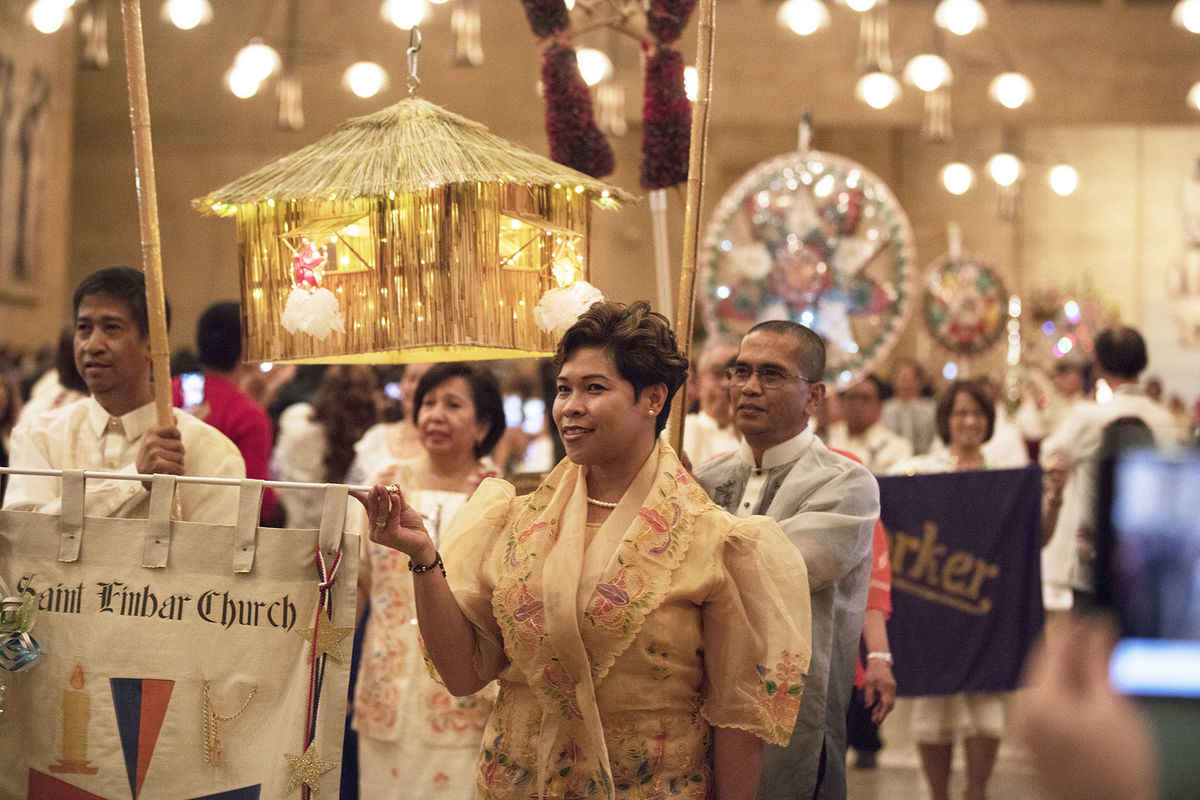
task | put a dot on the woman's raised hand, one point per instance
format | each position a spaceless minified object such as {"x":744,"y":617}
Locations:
{"x":394,"y":523}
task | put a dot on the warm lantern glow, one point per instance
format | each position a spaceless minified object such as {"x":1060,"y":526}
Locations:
{"x":957,"y":178}
{"x":1005,"y":169}
{"x":47,"y":16}
{"x":1186,"y":15}
{"x":365,"y":79}
{"x":1011,"y":89}
{"x":861,"y":6}
{"x":691,"y":83}
{"x":803,"y":17}
{"x":877,"y":89}
{"x":242,"y":83}
{"x":187,"y":14}
{"x":594,"y":65}
{"x":960,"y":17}
{"x":1064,"y":179}
{"x":257,"y":60}
{"x":1193,"y":97}
{"x":928,"y":72}
{"x":405,"y":14}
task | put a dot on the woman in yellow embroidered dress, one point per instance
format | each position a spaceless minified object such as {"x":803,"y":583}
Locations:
{"x":645,"y":642}
{"x":415,"y":740}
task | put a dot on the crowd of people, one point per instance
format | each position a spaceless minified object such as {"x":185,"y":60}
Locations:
{"x":643,"y":623}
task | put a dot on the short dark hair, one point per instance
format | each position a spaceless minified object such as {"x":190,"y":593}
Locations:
{"x":640,"y":341}
{"x":124,"y":283}
{"x":485,"y":395}
{"x":1121,"y":352}
{"x":946,"y":405}
{"x":219,"y":336}
{"x":810,"y":347}
{"x":881,"y":389}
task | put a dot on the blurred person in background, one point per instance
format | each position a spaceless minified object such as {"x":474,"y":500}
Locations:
{"x":861,"y":431}
{"x":59,"y":385}
{"x":965,"y":420}
{"x":415,"y":739}
{"x":213,"y":395}
{"x":1046,"y":403}
{"x":385,"y":443}
{"x":10,"y":408}
{"x":316,"y":440}
{"x":1006,"y":448}
{"x":909,"y":413}
{"x":710,"y":431}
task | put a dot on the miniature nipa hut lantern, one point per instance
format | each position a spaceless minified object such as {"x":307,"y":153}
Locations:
{"x":410,"y":234}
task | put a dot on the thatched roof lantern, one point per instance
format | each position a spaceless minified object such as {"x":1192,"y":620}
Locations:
{"x":435,"y":238}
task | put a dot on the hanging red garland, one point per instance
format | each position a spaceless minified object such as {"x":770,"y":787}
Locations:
{"x":575,"y":140}
{"x":666,"y":121}
{"x":668,"y":18}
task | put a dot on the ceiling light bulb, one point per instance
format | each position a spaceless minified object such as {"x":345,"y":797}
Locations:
{"x":242,"y":83}
{"x":1064,"y":179}
{"x":928,"y":72}
{"x":594,"y":65}
{"x":960,"y":17}
{"x":1005,"y":169}
{"x":405,"y":14}
{"x":861,"y":6}
{"x":1186,"y":15}
{"x":47,"y":16}
{"x":570,"y":4}
{"x":877,"y":89}
{"x":691,"y":83}
{"x":1193,"y":96}
{"x":803,"y":17}
{"x":957,"y":178}
{"x":257,"y":59}
{"x":187,"y":14}
{"x":365,"y":79}
{"x":1011,"y":89}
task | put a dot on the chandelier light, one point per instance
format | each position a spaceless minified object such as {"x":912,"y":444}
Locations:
{"x":242,"y":83}
{"x":594,"y":65}
{"x":960,"y":17}
{"x":187,"y":14}
{"x":257,"y":60}
{"x":877,"y":89}
{"x":1193,"y":96}
{"x":365,"y":79}
{"x":803,"y":17}
{"x":1005,"y":169}
{"x":861,"y":6}
{"x":1011,"y":89}
{"x":47,"y":16}
{"x":1064,"y":179}
{"x":957,"y":178}
{"x":691,"y":83}
{"x":405,"y":14}
{"x":928,"y":72}
{"x":1186,"y":15}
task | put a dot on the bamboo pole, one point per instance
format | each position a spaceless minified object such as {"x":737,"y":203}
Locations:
{"x":691,"y":220}
{"x":143,"y":167}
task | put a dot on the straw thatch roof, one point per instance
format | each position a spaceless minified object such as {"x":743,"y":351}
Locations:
{"x":405,"y":147}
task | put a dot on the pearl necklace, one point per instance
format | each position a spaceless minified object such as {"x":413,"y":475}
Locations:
{"x":601,"y":503}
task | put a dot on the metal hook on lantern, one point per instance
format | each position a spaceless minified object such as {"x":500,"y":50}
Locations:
{"x":414,"y":47}
{"x":804,"y":143}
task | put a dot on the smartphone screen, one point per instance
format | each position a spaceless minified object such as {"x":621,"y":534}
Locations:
{"x":1154,"y":573}
{"x":192,"y":384}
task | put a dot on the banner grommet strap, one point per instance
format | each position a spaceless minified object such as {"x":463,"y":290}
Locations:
{"x":70,"y":537}
{"x":245,"y":534}
{"x":158,"y":526}
{"x":333,"y":518}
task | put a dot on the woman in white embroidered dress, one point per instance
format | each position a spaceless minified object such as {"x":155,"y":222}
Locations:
{"x":639,"y":634}
{"x":966,"y":419}
{"x":415,"y":739}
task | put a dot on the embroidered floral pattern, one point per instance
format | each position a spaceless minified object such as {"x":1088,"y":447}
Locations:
{"x":522,"y":616}
{"x":780,"y":690}
{"x":456,"y":715}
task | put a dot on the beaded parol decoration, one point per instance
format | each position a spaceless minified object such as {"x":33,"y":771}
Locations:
{"x":965,"y":304}
{"x":818,"y":239}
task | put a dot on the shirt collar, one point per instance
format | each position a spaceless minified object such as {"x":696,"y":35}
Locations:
{"x":135,"y":423}
{"x":780,"y":454}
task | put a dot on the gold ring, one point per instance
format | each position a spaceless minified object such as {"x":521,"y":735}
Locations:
{"x":393,"y":488}
{"x":381,"y":523}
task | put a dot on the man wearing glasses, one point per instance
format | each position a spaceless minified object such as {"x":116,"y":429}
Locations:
{"x":827,"y":505}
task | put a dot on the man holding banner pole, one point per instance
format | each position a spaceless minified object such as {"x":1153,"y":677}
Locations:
{"x":827,"y":505}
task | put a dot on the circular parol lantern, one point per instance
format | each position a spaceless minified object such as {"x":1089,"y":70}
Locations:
{"x":410,"y":234}
{"x":1061,"y":323}
{"x":817,"y":239}
{"x":965,"y":304}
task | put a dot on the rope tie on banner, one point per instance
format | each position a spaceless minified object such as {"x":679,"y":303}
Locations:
{"x":316,"y":667}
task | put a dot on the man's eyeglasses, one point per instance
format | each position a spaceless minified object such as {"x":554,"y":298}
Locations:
{"x":768,"y":377}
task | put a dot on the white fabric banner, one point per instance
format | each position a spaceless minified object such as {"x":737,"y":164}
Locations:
{"x":177,"y":658}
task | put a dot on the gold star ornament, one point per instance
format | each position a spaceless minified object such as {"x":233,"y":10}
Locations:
{"x":307,"y":770}
{"x":329,"y":640}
